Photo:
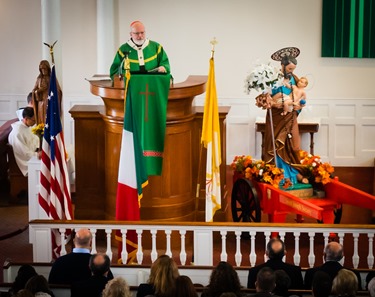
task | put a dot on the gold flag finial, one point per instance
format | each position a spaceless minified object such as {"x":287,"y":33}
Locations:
{"x":213,"y":42}
{"x":51,"y":50}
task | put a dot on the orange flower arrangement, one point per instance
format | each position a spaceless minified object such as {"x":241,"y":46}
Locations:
{"x":257,"y":170}
{"x":316,"y":170}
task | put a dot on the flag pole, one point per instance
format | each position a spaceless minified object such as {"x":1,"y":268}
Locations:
{"x":197,"y":194}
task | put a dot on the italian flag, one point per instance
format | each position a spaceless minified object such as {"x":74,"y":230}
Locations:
{"x":142,"y":149}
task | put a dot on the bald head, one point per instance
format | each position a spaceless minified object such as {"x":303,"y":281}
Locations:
{"x":83,"y":238}
{"x":99,"y":264}
{"x":275,"y":249}
{"x":333,"y":251}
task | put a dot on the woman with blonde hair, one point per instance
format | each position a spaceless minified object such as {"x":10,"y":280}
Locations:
{"x":117,"y":287}
{"x":345,"y":283}
{"x":162,"y":280}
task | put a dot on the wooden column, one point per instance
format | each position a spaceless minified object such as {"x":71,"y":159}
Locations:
{"x":169,"y":196}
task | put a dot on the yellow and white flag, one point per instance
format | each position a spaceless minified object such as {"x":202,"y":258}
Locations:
{"x":211,"y":141}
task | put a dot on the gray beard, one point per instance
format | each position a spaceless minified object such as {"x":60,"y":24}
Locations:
{"x":139,"y":42}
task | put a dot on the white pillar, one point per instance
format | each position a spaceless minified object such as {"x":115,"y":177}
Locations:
{"x":107,"y":30}
{"x":51,"y":31}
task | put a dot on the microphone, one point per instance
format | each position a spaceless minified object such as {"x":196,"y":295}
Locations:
{"x":122,"y":63}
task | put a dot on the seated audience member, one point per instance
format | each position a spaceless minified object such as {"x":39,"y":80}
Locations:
{"x":321,"y":284}
{"x":275,"y":252}
{"x":23,"y":141}
{"x":38,"y":285}
{"x":24,"y":273}
{"x":333,"y":253}
{"x":282,"y":281}
{"x":29,"y":104}
{"x":265,"y":283}
{"x":345,"y":283}
{"x":162,"y":280}
{"x":185,"y":287}
{"x":74,"y":267}
{"x":371,"y":287}
{"x":94,"y":286}
{"x":223,"y":279}
{"x":117,"y":287}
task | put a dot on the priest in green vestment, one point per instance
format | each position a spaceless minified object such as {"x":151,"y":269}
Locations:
{"x":145,"y":56}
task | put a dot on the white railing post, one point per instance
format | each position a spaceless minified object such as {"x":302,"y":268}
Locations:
{"x":370,"y":257}
{"x":168,"y":250}
{"x":311,"y":254}
{"x":223,"y":255}
{"x":154,"y":253}
{"x":297,"y":256}
{"x":183,"y":251}
{"x":140,"y":249}
{"x":253,"y":255}
{"x":355,"y":257}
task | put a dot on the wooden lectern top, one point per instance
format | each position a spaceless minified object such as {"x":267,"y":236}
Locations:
{"x":194,"y":85}
{"x":180,"y":97}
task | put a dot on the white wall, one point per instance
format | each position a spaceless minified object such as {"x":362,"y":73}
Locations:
{"x":247,"y":30}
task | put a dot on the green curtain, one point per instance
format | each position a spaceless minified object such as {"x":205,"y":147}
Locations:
{"x":348,"y":28}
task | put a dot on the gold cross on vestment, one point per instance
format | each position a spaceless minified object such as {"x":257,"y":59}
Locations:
{"x":146,"y":101}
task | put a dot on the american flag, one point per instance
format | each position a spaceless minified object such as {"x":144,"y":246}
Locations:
{"x":54,"y":193}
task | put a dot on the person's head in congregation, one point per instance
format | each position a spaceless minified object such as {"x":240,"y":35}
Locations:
{"x":99,"y":264}
{"x":24,"y":273}
{"x":38,"y":285}
{"x":117,"y":287}
{"x":371,"y":287}
{"x":333,"y":251}
{"x":266,"y":280}
{"x":321,"y":284}
{"x":345,"y":283}
{"x":82,"y":238}
{"x":283,"y":282}
{"x":162,"y":279}
{"x":223,"y":278}
{"x":185,"y":287}
{"x":275,"y":249}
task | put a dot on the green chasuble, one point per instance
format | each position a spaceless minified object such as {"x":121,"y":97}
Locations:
{"x":142,"y":59}
{"x":149,"y":94}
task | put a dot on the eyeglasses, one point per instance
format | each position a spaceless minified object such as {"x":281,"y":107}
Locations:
{"x":138,"y":33}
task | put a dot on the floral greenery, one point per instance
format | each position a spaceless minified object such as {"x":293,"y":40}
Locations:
{"x":257,"y":170}
{"x":264,"y":77}
{"x":315,"y":170}
{"x":38,"y":130}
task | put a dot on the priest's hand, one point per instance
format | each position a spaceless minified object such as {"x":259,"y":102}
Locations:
{"x":162,"y":69}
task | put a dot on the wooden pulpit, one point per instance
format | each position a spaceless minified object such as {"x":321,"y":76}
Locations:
{"x":170,"y":196}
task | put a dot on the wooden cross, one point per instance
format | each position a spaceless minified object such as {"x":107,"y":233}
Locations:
{"x":146,"y":101}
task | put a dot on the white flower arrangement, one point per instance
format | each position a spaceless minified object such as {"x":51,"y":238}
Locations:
{"x":263,"y":78}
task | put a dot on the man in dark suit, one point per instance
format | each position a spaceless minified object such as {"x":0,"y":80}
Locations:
{"x":94,"y":286}
{"x":275,"y":252}
{"x":74,"y":266}
{"x":333,"y":253}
